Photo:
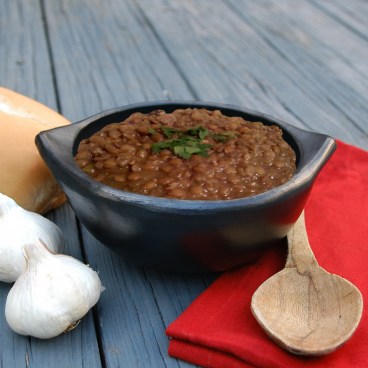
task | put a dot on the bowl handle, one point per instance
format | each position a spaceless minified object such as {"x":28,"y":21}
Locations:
{"x":315,"y":149}
{"x":56,"y":146}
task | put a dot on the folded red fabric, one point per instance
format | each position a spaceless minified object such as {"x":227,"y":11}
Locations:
{"x":218,"y":329}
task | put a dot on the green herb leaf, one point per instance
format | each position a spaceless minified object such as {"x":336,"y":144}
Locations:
{"x":169,"y":132}
{"x":159,"y":146}
{"x":204,"y":149}
{"x":186,"y":151}
{"x":182,"y":152}
{"x":198,"y":131}
{"x":185,"y":144}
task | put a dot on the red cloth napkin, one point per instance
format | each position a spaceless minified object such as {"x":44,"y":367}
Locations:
{"x":218,"y":329}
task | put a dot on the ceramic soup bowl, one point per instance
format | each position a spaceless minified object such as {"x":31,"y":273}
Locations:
{"x":184,"y":235}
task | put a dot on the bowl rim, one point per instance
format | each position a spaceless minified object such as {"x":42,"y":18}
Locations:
{"x":46,"y":140}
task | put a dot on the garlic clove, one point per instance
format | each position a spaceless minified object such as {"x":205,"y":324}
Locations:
{"x":19,"y":227}
{"x":52,"y":295}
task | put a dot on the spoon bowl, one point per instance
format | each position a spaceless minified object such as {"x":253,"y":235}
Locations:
{"x":303,"y":308}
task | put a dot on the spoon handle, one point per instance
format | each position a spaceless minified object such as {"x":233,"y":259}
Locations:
{"x":300,"y":253}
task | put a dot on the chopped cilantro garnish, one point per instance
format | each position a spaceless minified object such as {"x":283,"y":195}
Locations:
{"x":184,"y":147}
{"x":185,"y":143}
{"x":198,"y":131}
{"x":168,"y":132}
{"x":187,"y":151}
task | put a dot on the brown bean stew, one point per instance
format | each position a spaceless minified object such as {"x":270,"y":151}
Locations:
{"x":188,"y":154}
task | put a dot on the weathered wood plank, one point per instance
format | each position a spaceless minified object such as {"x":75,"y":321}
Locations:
{"x":137,"y":306}
{"x":26,"y":68}
{"x":353,"y":14}
{"x":304,"y":62}
{"x":246,"y":44}
{"x":296,"y":37}
{"x":120,"y":61}
{"x":24,"y":60}
{"x":142,"y":50}
{"x":117,"y":61}
{"x":324,"y":38}
{"x":222,"y":58}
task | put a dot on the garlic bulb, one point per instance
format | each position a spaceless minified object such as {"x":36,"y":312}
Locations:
{"x":52,"y":295}
{"x":19,"y":227}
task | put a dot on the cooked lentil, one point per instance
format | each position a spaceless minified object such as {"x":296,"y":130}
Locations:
{"x":231,"y":158}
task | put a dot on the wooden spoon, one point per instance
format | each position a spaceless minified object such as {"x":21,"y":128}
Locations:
{"x":303,"y":308}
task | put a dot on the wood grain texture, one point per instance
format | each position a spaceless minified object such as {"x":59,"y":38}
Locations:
{"x":311,"y":51}
{"x":352,"y":15}
{"x":303,"y":62}
{"x":137,"y":306}
{"x":25,"y":67}
{"x":117,"y":61}
{"x":260,"y":56}
{"x":303,"y":308}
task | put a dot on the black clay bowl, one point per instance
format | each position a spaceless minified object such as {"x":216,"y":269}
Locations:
{"x":183,"y":235}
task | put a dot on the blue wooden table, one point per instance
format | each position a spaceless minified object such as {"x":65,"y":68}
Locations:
{"x":301,"y":61}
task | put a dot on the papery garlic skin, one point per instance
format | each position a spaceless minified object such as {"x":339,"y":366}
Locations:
{"x":54,"y":293}
{"x":18,"y":227}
